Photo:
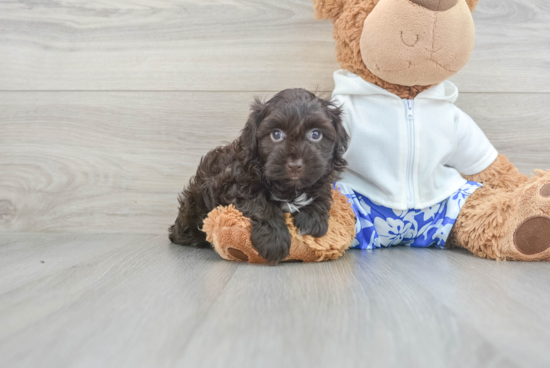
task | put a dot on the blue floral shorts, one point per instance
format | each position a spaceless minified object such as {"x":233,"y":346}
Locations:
{"x":379,"y":226}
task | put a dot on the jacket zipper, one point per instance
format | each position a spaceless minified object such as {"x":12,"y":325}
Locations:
{"x":409,"y":106}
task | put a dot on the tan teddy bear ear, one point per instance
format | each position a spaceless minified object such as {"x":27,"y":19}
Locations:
{"x":328,"y":9}
{"x":472,"y":4}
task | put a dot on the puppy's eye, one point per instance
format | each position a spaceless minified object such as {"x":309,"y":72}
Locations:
{"x":315,"y":135}
{"x":277,"y":136}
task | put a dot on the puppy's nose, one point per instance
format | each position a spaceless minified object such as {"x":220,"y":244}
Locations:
{"x":295,"y":165}
{"x":436,"y":5}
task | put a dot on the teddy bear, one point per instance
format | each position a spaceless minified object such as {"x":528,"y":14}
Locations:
{"x":420,"y":171}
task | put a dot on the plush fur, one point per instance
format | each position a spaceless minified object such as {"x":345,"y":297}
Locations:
{"x":276,"y":160}
{"x":502,"y":174}
{"x":492,"y":217}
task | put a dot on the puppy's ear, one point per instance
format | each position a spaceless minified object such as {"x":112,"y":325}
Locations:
{"x":342,"y":138}
{"x":258,"y":111}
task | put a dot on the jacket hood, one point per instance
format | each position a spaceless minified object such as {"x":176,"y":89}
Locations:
{"x":347,"y":83}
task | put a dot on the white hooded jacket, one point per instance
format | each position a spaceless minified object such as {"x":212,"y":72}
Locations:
{"x":406,"y":154}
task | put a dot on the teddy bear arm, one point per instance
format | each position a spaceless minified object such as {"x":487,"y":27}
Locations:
{"x":229,"y":232}
{"x":501,"y":174}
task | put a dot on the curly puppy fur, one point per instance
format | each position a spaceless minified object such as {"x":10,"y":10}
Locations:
{"x":276,"y":156}
{"x":348,"y":17}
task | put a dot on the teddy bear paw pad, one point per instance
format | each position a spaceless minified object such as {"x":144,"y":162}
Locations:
{"x":528,"y":237}
{"x":545,"y":191}
{"x":533,"y":235}
{"x":239,"y":254}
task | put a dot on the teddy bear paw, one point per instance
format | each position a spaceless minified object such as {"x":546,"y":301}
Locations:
{"x":530,"y":230}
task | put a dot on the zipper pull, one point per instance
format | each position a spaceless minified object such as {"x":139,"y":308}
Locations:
{"x":410,"y":111}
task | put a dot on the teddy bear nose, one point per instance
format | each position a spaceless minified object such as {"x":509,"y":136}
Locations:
{"x":436,"y":5}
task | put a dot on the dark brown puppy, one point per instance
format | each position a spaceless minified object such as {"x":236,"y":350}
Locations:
{"x":285,"y":160}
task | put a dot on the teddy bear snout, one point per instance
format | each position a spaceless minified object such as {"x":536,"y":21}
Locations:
{"x":436,"y":5}
{"x":405,"y":43}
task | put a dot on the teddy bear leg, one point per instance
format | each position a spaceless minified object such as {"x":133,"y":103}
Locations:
{"x":507,"y":224}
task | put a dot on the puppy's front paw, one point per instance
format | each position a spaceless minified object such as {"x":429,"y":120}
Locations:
{"x":272,"y":243}
{"x":311,"y":223}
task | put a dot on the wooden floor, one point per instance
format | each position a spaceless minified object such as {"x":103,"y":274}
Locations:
{"x":105,"y":110}
{"x":138,"y":301}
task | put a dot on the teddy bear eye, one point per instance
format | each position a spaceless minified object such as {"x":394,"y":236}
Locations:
{"x":277,"y":135}
{"x":315,"y":135}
